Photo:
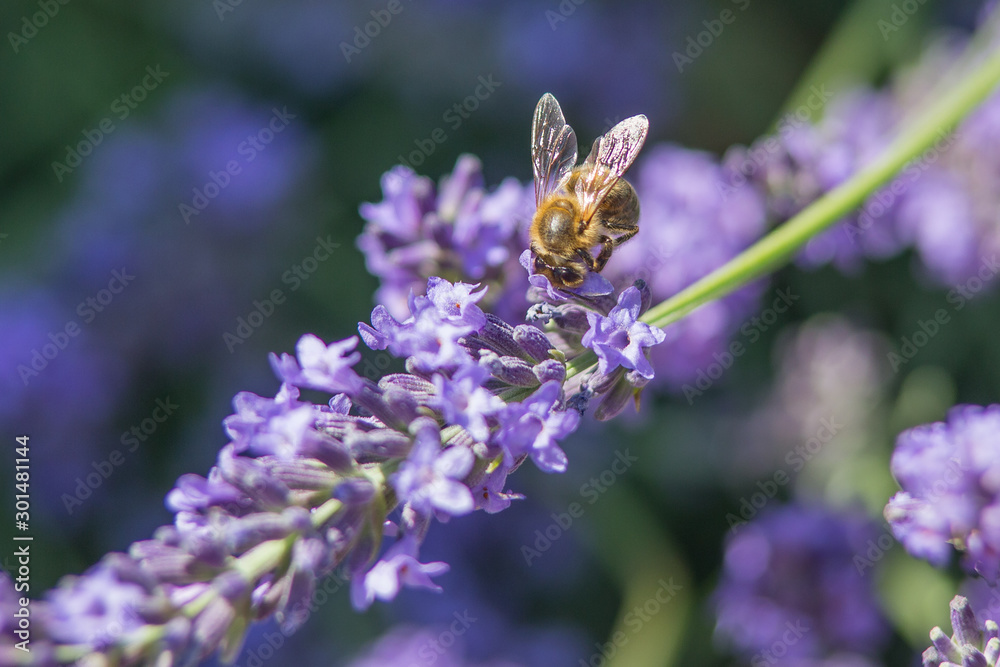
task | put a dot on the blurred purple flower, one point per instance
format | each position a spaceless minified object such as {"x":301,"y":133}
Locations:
{"x":949,"y":473}
{"x":792,"y":571}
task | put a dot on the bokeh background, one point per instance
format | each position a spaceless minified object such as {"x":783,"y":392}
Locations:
{"x":127,"y":278}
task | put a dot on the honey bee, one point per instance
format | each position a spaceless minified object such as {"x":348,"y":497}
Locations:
{"x":580,"y":207}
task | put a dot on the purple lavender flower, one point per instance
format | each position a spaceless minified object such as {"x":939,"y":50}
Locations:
{"x":948,"y":473}
{"x":792,"y":571}
{"x":96,"y":609}
{"x":489,"y":494}
{"x":973,"y":642}
{"x":457,"y":230}
{"x":436,"y":324}
{"x":620,"y":339}
{"x":534,"y":428}
{"x":465,"y":402}
{"x":397,"y":568}
{"x":428,"y":480}
{"x":321,"y":366}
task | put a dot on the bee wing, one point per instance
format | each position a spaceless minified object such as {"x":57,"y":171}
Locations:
{"x":553,"y":147}
{"x":610,"y":157}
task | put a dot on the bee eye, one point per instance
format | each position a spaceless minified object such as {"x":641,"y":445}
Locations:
{"x":565,"y":275}
{"x":539,"y":264}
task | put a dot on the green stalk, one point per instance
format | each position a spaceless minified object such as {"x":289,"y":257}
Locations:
{"x":778,"y":247}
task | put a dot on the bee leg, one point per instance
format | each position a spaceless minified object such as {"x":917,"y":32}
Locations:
{"x":587,"y":257}
{"x":627,"y":230}
{"x":607,"y":245}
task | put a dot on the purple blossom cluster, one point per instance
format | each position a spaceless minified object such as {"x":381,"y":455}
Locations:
{"x":456,"y":230}
{"x":950,"y":479}
{"x":940,"y":204}
{"x":790,"y":589}
{"x":304,"y":488}
{"x":973,"y":642}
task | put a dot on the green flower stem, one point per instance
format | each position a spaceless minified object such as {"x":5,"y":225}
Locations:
{"x":778,"y":247}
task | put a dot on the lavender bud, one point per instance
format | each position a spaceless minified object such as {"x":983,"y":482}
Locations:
{"x":614,"y":401}
{"x":168,"y":564}
{"x":497,"y":336}
{"x":945,"y":647}
{"x":550,"y":369}
{"x":249,"y":476}
{"x":510,"y":370}
{"x":992,"y":630}
{"x":572,"y":319}
{"x":302,"y":474}
{"x":378,"y":445}
{"x":211,"y":624}
{"x":354,"y":491}
{"x":298,"y":518}
{"x":418,"y":387}
{"x":636,"y":379}
{"x":931,"y":657}
{"x":251,"y":530}
{"x":963,"y":623}
{"x":231,"y":585}
{"x":533,"y":340}
{"x":600,"y":383}
{"x":971,"y":657}
{"x":992,"y":651}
